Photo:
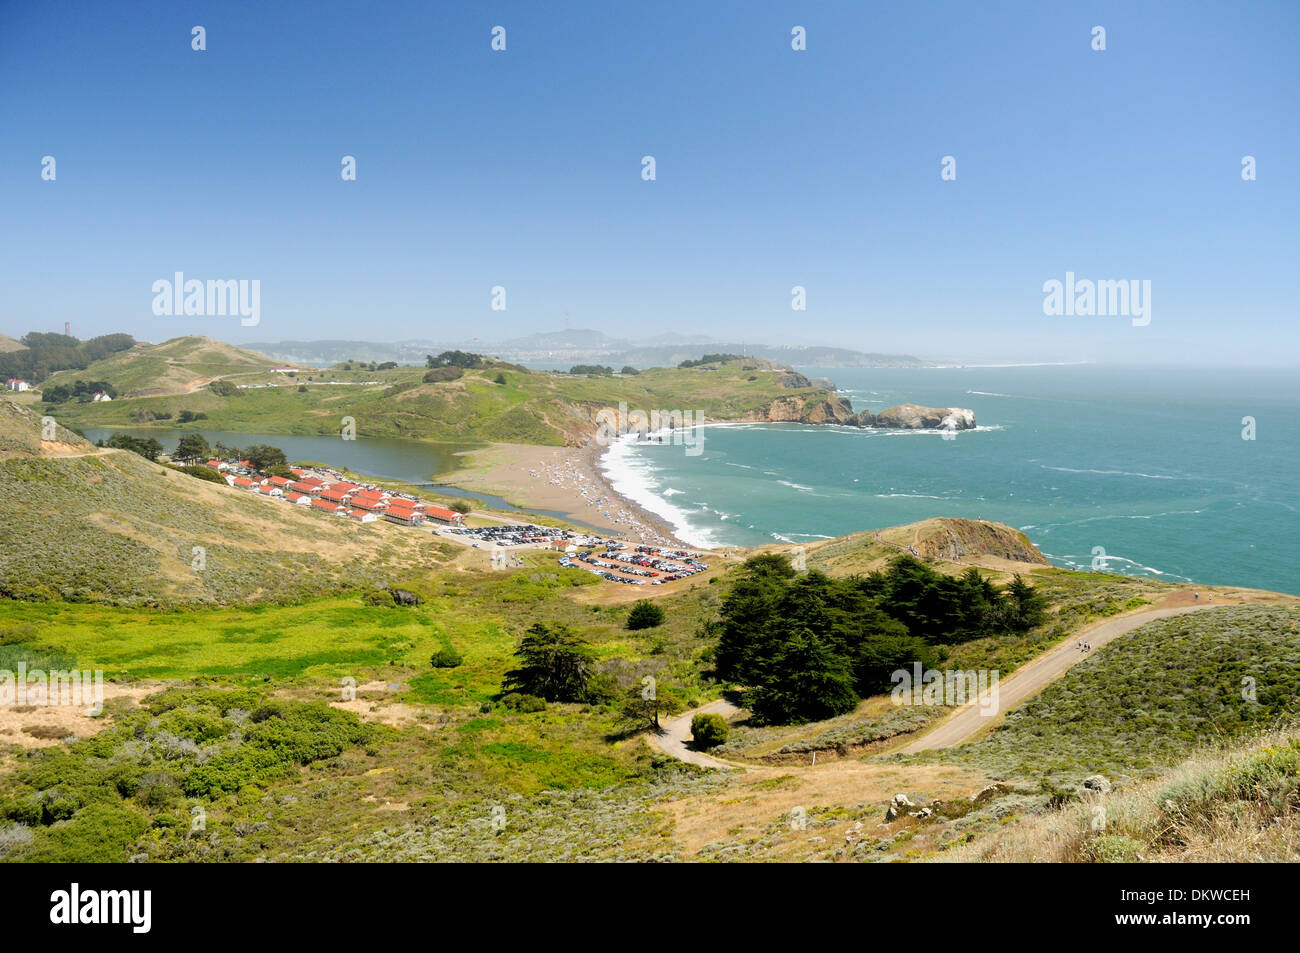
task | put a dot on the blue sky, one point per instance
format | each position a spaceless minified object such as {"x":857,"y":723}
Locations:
{"x":775,"y":168}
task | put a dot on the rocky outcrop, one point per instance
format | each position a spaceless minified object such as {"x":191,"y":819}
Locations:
{"x":952,"y":538}
{"x":806,"y":410}
{"x":916,"y":417}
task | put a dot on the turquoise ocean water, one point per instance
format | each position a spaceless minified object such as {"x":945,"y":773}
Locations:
{"x":1137,"y":470}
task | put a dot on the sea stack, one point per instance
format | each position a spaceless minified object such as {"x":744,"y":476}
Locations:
{"x":916,"y":417}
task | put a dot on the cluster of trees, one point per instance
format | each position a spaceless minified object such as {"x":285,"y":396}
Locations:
{"x":223,"y":388}
{"x":147,"y":447}
{"x":192,"y":446}
{"x":712,"y":359}
{"x":47,"y":353}
{"x":80,"y":391}
{"x":592,"y":370}
{"x":462,"y":359}
{"x":808,"y":647}
{"x":556,"y":664}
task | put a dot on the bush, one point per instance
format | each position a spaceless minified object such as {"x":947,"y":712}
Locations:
{"x":377,"y":597}
{"x":460,"y":506}
{"x":645,"y":615}
{"x":447,"y":658}
{"x":223,"y":388}
{"x":202,"y":473}
{"x":709,"y":730}
{"x":439,"y":375}
{"x":522,"y":702}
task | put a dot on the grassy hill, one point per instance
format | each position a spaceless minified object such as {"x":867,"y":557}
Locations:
{"x":108,"y":525}
{"x":172,"y":368}
{"x":1146,"y":699}
{"x":529,"y":407}
{"x":9,"y":344}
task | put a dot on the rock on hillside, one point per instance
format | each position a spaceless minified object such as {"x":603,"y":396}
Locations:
{"x":916,"y":417}
{"x":952,"y":538}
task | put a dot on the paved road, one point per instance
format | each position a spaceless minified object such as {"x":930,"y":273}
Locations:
{"x":674,"y":734}
{"x":1034,"y":676}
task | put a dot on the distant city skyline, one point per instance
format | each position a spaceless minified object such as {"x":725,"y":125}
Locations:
{"x":923,"y":174}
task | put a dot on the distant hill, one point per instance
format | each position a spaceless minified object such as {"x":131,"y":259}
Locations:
{"x":560,"y":349}
{"x":497,"y":402}
{"x":92,"y":525}
{"x":9,"y":344}
{"x":177,"y":366}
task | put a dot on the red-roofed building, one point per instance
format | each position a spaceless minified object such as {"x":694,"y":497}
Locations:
{"x":326,"y":507}
{"x":403,"y":515}
{"x":279,"y":481}
{"x":270,"y":490}
{"x":443,"y":515}
{"x":339,"y":492}
{"x":369,"y":500}
{"x":218,"y":465}
{"x":302,"y":499}
{"x":362,"y":516}
{"x":243,"y":483}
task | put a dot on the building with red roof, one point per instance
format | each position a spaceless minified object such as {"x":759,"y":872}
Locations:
{"x":444,"y":515}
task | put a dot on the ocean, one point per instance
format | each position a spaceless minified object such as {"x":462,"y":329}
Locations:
{"x":1134,"y":470}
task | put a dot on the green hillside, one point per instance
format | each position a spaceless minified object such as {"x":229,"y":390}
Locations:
{"x":173,"y":367}
{"x":529,"y":407}
{"x":98,"y":525}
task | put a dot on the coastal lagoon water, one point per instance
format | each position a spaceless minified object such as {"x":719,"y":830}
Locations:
{"x":409,"y":461}
{"x":1134,"y":470}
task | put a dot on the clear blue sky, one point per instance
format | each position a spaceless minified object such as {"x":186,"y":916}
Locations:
{"x":775,"y":168}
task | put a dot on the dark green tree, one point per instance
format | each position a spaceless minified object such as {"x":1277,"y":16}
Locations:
{"x":645,"y":615}
{"x":192,"y":446}
{"x":555,"y":663}
{"x":805,"y":681}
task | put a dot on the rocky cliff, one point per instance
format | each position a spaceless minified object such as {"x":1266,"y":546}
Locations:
{"x":953,"y":539}
{"x":832,"y":409}
{"x":916,"y":417}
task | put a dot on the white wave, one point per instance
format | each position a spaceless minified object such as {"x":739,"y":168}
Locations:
{"x":912,"y":496}
{"x":631,"y":475}
{"x":1128,"y":473}
{"x":1123,"y":565}
{"x":796,"y":486}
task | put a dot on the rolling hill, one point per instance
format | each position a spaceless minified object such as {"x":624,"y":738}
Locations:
{"x":98,"y":525}
{"x":178,"y":366}
{"x":496,"y":402}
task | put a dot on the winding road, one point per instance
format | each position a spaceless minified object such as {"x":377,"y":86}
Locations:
{"x":1034,"y":676}
{"x":967,"y":721}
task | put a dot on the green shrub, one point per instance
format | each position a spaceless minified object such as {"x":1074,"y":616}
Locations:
{"x":518,"y":701}
{"x":447,"y":658}
{"x":709,"y":730}
{"x":645,"y":615}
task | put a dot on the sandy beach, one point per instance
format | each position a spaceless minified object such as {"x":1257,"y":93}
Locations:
{"x":561,"y":479}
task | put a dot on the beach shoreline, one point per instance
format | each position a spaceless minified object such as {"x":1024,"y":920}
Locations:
{"x":566,"y":480}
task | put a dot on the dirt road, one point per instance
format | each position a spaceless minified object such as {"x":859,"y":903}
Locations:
{"x":1034,"y":676}
{"x":673,"y":737}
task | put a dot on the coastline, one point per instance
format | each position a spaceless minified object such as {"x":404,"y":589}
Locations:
{"x":567,"y":480}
